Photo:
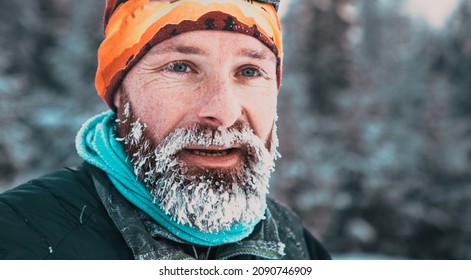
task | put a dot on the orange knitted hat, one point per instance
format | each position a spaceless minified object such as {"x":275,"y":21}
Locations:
{"x":133,"y":27}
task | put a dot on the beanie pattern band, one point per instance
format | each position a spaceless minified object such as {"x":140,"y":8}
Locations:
{"x":134,"y":27}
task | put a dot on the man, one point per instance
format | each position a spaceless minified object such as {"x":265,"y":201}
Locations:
{"x":179,"y":167}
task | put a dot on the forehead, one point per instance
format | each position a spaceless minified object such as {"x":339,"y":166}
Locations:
{"x":206,"y":42}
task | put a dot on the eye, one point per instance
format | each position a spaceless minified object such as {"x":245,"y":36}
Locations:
{"x":250,"y":72}
{"x":179,"y":67}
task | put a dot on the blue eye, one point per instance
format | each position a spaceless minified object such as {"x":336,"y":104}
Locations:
{"x":250,"y":72}
{"x":178,"y":67}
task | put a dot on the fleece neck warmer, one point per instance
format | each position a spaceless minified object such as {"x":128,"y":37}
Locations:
{"x":97,"y":145}
{"x":133,"y":27}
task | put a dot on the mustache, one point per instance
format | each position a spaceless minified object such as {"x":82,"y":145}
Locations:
{"x":146,"y":154}
{"x":239,"y":134}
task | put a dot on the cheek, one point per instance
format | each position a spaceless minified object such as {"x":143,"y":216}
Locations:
{"x":269,"y":119}
{"x":161,"y":109}
{"x":262,"y":116}
{"x":161,"y":115}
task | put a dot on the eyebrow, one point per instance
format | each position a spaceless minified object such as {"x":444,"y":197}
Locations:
{"x":259,"y":54}
{"x":183,"y":50}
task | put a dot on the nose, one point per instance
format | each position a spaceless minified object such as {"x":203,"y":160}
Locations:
{"x":220,"y":106}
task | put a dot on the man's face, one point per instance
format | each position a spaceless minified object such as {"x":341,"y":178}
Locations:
{"x":215,"y":94}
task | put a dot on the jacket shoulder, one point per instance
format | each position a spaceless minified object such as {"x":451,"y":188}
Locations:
{"x":58,"y":215}
{"x":299,"y":242}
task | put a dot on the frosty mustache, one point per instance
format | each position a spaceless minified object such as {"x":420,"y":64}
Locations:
{"x":239,"y":135}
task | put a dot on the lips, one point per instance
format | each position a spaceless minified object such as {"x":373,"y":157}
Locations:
{"x":211,"y":157}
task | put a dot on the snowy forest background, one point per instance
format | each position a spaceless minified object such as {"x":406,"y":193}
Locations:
{"x":375,"y":117}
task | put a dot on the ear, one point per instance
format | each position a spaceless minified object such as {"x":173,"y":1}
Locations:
{"x":117,"y":98}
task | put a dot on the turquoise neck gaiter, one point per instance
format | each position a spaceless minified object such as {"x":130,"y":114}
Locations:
{"x":97,"y":145}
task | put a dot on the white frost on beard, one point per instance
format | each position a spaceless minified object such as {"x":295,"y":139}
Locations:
{"x":206,"y":201}
{"x":126,"y":112}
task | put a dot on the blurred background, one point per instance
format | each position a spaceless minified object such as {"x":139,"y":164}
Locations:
{"x":375,"y":115}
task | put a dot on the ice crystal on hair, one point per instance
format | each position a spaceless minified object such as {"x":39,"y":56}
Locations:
{"x":136,"y":132}
{"x":126,"y":110}
{"x":134,"y":137}
{"x":124,"y":115}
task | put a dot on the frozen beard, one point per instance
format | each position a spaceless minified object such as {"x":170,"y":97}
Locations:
{"x":208,"y":199}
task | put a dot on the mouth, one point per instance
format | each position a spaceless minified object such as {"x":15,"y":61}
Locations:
{"x":209,"y":153}
{"x":211,"y":157}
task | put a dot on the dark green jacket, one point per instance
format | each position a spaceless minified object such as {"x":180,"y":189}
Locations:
{"x":63,"y":216}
